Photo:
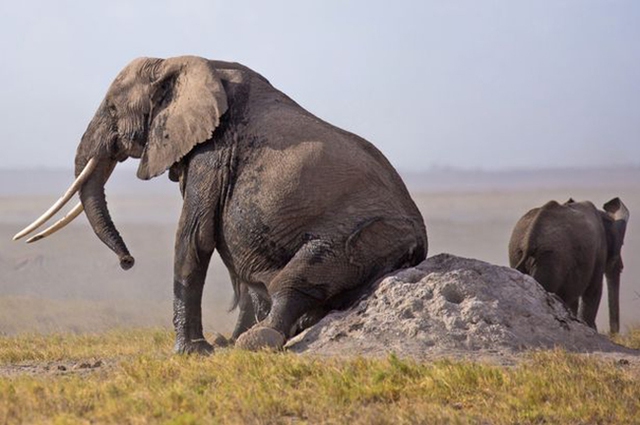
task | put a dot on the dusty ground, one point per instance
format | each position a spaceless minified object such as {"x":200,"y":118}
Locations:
{"x":71,"y":282}
{"x":58,"y":368}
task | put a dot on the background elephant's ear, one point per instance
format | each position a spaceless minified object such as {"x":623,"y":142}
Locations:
{"x":619,"y":213}
{"x":187,"y":102}
{"x":617,"y":210}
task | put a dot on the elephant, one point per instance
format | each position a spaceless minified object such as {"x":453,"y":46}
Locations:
{"x":568,"y":247}
{"x":304,"y":215}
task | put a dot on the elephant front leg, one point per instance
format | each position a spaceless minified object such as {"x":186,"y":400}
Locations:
{"x":187,"y":319}
{"x":192,"y":255}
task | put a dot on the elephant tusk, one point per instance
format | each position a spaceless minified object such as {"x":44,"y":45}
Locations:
{"x":75,"y":186}
{"x":71,"y":215}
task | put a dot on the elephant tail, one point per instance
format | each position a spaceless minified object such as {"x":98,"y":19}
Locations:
{"x":528,"y":248}
{"x":235,"y":283}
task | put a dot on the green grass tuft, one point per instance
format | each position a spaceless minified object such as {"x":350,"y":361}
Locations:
{"x":142,"y":382}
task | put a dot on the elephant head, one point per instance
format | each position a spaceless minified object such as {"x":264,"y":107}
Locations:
{"x":156,"y":110}
{"x":615,"y":220}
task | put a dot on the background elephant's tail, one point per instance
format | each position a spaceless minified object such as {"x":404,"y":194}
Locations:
{"x":527,"y":247}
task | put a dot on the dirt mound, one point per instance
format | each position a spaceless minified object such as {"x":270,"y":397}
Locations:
{"x":451,"y":306}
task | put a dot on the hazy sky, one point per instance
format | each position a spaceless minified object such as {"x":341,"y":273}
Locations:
{"x":473,"y":84}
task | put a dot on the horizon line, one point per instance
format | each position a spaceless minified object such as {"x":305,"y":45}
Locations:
{"x":429,"y":169}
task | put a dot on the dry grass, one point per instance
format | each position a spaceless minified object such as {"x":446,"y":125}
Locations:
{"x":629,"y":339}
{"x":142,"y":382}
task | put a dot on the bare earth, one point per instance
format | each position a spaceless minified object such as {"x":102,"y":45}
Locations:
{"x":71,"y":282}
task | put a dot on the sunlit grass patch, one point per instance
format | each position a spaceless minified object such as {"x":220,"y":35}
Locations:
{"x":149,"y":384}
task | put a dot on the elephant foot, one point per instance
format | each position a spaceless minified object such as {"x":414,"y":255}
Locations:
{"x":219,"y":340}
{"x":261,"y":338}
{"x":195,"y":346}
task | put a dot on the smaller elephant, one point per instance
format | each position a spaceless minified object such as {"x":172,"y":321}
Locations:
{"x":567,"y":248}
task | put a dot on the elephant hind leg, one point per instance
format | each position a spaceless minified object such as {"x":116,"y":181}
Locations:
{"x":590,"y":300}
{"x":382,"y":245}
{"x":253,"y":306}
{"x":302,"y":288}
{"x":552,"y":278}
{"x":573,"y":306}
{"x":325,"y":274}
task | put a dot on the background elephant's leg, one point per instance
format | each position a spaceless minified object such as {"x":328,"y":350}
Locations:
{"x":193,"y":250}
{"x":253,"y":307}
{"x":570,"y":296}
{"x":613,"y":287}
{"x":590,"y":300}
{"x":573,"y":306}
{"x":548,"y":274}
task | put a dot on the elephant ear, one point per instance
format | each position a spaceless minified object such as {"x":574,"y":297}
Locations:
{"x":187,"y":102}
{"x":617,"y":210}
{"x":619,"y":215}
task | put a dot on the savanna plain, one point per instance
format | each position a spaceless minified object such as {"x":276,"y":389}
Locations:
{"x":82,"y":341}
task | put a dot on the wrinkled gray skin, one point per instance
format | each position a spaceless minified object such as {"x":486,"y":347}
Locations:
{"x":303,"y":214}
{"x":567,"y":248}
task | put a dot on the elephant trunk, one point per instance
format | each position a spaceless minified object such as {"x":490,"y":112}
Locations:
{"x":94,"y":202}
{"x":613,"y":291}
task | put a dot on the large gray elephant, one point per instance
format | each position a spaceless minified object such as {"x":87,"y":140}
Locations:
{"x":567,"y":248}
{"x":303,"y":214}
